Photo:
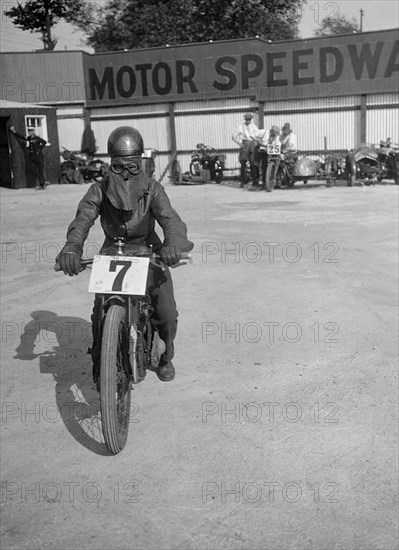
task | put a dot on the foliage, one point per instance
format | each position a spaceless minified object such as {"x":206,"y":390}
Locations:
{"x":337,"y":24}
{"x":129,"y":24}
{"x":39,"y":16}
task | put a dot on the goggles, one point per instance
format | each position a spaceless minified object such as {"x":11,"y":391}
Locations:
{"x":118,"y":167}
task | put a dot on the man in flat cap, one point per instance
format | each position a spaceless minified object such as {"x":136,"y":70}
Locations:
{"x":288,"y":139}
{"x":245,"y":136}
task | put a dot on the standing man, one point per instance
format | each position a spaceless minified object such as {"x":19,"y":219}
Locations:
{"x":245,"y":136}
{"x":35,"y":145}
{"x":288,"y":139}
{"x":260,"y":156}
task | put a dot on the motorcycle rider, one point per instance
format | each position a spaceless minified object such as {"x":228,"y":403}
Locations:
{"x":129,"y":204}
{"x":288,"y":140}
{"x":274,"y":135}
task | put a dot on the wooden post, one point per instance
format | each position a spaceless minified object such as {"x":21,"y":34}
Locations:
{"x":172,"y":135}
{"x":86,"y":116}
{"x":363,"y":118}
{"x":261,"y":115}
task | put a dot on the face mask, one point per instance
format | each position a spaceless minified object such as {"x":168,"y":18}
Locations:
{"x":125,"y":182}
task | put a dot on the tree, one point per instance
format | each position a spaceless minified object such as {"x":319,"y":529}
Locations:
{"x":40,"y":16}
{"x":337,"y":24}
{"x":129,"y":24}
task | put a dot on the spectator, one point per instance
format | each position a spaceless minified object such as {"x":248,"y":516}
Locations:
{"x":35,"y":146}
{"x":260,"y":155}
{"x":288,"y":139}
{"x":245,"y":136}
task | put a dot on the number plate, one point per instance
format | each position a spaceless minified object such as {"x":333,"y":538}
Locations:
{"x":273,"y":149}
{"x":119,"y":275}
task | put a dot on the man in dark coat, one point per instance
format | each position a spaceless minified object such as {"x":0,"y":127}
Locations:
{"x":36,"y":159}
{"x":129,"y":204}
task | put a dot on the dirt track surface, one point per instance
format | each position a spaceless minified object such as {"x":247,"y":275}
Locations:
{"x":279,"y":431}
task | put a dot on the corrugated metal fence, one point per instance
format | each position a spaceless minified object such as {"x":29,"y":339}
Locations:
{"x":334,"y":122}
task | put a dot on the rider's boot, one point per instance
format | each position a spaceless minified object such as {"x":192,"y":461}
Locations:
{"x":166,"y":371}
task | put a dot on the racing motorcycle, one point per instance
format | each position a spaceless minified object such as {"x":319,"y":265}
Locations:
{"x":130,"y":343}
{"x":283,"y":170}
{"x":77,"y":168}
{"x":207,"y":163}
{"x":276,"y":172}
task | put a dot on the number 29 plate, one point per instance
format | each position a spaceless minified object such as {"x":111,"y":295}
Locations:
{"x":119,"y":275}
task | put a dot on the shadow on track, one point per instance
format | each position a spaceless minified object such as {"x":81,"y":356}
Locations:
{"x":61,"y":344}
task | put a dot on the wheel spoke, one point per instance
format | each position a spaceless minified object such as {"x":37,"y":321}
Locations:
{"x":115,"y":388}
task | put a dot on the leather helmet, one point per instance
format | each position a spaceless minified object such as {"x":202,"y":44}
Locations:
{"x":125,"y":141}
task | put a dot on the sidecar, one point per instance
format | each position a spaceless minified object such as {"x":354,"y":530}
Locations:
{"x":363,"y":163}
{"x":298,"y":169}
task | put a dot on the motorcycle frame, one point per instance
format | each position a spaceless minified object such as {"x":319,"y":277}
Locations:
{"x":128,"y":302}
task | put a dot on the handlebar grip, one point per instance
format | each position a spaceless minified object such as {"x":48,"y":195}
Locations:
{"x":83,"y":264}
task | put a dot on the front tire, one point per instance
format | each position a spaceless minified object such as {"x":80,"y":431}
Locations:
{"x":351,"y":173}
{"x":271,"y":173}
{"x":115,"y":386}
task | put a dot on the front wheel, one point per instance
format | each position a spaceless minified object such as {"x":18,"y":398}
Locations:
{"x":350,"y":173}
{"x":115,"y":387}
{"x":271,"y":173}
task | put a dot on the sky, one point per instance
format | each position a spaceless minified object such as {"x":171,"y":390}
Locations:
{"x":378,"y":14}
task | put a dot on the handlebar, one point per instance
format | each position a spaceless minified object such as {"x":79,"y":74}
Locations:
{"x":154,"y":259}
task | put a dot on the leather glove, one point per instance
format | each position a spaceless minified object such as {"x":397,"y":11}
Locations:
{"x":170,"y":255}
{"x":69,"y":259}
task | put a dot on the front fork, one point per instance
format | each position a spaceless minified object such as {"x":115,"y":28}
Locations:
{"x":102,"y":304}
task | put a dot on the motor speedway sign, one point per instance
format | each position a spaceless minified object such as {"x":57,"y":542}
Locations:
{"x":315,"y":68}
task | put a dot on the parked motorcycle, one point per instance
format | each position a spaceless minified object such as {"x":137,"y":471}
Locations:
{"x":283,"y":170}
{"x":130,"y":343}
{"x":207,"y":163}
{"x":363,"y":163}
{"x":388,"y":156}
{"x":373,"y":163}
{"x":78,"y":168}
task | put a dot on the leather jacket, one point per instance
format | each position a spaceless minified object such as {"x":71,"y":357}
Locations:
{"x":138,"y":227}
